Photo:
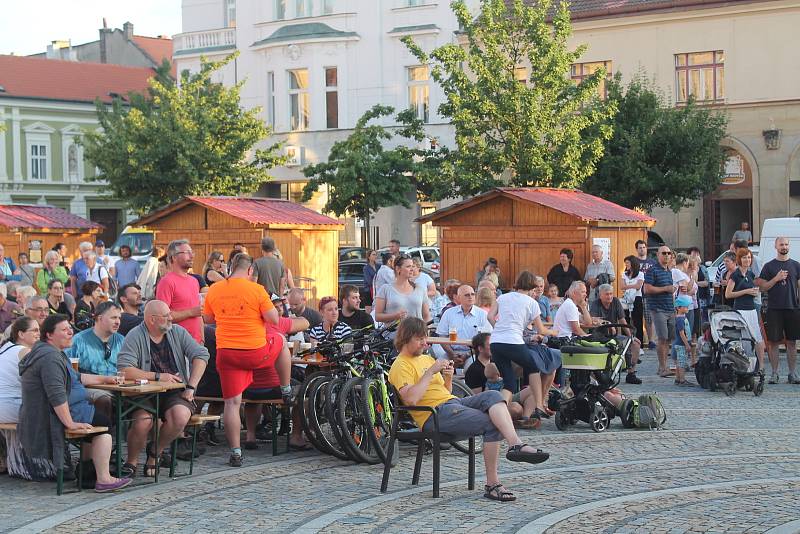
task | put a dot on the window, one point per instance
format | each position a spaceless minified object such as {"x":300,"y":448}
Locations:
{"x":271,"y":100}
{"x":280,"y":9}
{"x":701,"y":75}
{"x":38,"y":170}
{"x":429,"y":255}
{"x":331,"y":97}
{"x":418,"y":91}
{"x":412,"y":3}
{"x":302,"y":8}
{"x":328,"y":6}
{"x":579,"y":71}
{"x":299,"y":100}
{"x":230,"y":13}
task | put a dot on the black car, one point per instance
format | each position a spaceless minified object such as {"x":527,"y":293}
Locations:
{"x":351,"y":272}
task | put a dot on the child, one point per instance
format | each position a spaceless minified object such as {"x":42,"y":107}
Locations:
{"x":493,"y":379}
{"x":555,"y":300}
{"x":681,"y":347}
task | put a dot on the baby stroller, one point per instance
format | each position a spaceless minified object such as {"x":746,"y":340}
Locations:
{"x":594,"y":369}
{"x":728,"y":360}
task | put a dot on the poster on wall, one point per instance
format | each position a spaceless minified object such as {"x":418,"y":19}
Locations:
{"x":605,"y":245}
{"x":35,"y":251}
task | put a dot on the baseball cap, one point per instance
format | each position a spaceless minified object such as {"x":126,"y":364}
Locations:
{"x":683,"y":302}
{"x":99,"y":243}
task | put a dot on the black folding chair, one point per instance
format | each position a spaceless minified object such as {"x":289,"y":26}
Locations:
{"x":420,"y":436}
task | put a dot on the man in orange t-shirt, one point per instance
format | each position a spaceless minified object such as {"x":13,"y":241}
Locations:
{"x":241,"y":308}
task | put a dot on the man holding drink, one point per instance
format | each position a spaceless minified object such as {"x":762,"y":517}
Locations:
{"x":462,"y":322}
{"x":779,"y":278}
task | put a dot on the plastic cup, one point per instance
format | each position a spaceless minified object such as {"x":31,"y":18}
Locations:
{"x":453,"y":334}
{"x":74,"y":362}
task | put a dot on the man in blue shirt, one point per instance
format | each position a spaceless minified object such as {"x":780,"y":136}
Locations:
{"x":659,"y":290}
{"x":77,"y":274}
{"x":126,"y":270}
{"x":467,"y":320}
{"x":96,"y":348}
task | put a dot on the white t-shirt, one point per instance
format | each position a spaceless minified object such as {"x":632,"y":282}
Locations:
{"x":567,"y":312}
{"x":630,"y":294}
{"x":423,"y":280}
{"x":515,"y":311}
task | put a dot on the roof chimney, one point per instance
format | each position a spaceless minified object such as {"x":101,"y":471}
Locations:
{"x":127,"y":29}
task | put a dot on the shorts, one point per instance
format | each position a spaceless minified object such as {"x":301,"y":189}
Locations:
{"x":468,"y":417}
{"x":783,"y":324}
{"x":170,"y":399}
{"x":679,"y":354}
{"x":751,"y":318}
{"x":235,"y":366}
{"x":663,"y":324}
{"x":95,"y":395}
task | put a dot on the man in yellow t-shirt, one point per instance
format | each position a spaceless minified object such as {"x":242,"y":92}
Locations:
{"x":423,"y":381}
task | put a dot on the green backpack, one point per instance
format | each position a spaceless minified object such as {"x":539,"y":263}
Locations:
{"x":649,"y":413}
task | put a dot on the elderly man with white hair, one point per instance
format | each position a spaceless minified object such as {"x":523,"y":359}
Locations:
{"x":77,"y":273}
{"x":467,"y":320}
{"x":599,"y":271}
{"x":159,"y":351}
{"x":573,"y":313}
{"x":609,"y":308}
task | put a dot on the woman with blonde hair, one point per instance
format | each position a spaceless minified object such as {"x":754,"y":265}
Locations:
{"x":51,"y":270}
{"x":485,"y":299}
{"x":215,"y":269}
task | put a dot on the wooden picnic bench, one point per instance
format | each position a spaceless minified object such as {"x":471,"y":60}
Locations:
{"x":275,"y":405}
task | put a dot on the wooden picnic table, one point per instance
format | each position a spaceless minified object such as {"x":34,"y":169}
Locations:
{"x":447,"y":341}
{"x":128,"y":398}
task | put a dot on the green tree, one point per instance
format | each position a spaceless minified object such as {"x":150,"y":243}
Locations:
{"x":544,"y":130}
{"x":363,"y":176}
{"x":187,"y":139}
{"x":659,"y":155}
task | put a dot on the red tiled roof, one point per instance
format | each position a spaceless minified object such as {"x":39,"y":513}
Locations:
{"x":25,"y":216}
{"x":577,"y":203}
{"x":158,"y":48}
{"x":73,"y":81}
{"x":265,"y":210}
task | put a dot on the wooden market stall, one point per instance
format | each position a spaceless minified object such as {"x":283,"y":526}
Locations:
{"x":35,"y":229}
{"x":308,"y":241}
{"x":525,"y":228}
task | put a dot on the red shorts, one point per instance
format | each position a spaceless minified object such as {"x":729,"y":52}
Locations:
{"x":236,"y":366}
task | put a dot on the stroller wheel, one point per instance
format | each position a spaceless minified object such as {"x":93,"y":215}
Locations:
{"x":562,"y":420}
{"x":599,"y":419}
{"x":758,"y":390}
{"x":730,"y":389}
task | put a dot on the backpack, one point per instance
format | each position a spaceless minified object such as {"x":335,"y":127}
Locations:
{"x":649,"y":413}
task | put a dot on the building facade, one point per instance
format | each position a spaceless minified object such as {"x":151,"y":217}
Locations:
{"x":314,"y":66}
{"x":45,"y":108}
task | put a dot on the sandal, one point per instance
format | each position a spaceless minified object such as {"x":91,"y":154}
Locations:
{"x":516,"y":454}
{"x":498,"y":493}
{"x":541,"y":414}
{"x":128,"y":470}
{"x":528,"y":423}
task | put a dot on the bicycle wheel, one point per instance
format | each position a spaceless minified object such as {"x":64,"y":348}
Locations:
{"x":318,"y":421}
{"x":377,"y":399}
{"x":461,"y":390}
{"x":353,"y":422}
{"x":303,"y":404}
{"x":332,"y":392}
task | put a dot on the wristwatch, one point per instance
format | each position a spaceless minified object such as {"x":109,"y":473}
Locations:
{"x":158,"y":376}
{"x":189,"y":386}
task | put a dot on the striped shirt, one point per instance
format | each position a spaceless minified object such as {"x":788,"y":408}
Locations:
{"x":657,"y":276}
{"x":339,"y":331}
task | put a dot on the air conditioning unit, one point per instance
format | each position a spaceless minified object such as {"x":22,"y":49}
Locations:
{"x":294,"y":155}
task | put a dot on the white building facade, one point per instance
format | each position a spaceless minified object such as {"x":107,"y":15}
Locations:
{"x":314,"y":67}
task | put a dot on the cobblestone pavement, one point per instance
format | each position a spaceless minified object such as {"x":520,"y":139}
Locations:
{"x":722,"y":464}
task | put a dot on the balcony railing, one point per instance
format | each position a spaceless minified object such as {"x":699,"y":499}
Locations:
{"x":186,"y":42}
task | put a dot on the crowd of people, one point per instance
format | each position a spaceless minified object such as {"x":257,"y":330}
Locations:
{"x":225,"y":331}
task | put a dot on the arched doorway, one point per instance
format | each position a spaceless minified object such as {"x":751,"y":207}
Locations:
{"x":730,"y":205}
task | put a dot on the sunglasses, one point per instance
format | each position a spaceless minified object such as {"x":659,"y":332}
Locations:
{"x":668,"y":253}
{"x":107,"y":350}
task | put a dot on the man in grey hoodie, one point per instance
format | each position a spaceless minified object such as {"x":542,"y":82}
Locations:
{"x":159,"y":351}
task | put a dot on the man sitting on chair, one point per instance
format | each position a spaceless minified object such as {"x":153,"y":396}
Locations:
{"x":424,"y":381}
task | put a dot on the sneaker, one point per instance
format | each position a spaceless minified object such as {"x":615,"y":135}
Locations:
{"x":209,"y":434}
{"x":263,"y":433}
{"x":651,"y":345}
{"x":632,"y":379}
{"x":184,"y":450}
{"x":792,"y":379}
{"x":235,"y":460}
{"x":774,"y":379}
{"x":111,"y":486}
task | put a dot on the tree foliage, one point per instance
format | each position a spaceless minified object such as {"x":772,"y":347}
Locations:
{"x":187,"y":139}
{"x":658,"y":155}
{"x":547,"y":131}
{"x":363,"y":176}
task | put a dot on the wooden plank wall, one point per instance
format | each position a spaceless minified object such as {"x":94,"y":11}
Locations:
{"x":622,"y":245}
{"x":16,"y":242}
{"x":205,"y":241}
{"x":311,"y":254}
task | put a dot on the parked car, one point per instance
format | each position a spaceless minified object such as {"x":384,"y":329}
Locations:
{"x":352,"y":253}
{"x":352,"y":272}
{"x":429,"y":256}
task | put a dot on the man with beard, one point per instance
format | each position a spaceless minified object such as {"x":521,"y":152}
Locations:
{"x":159,"y":351}
{"x":180,"y":290}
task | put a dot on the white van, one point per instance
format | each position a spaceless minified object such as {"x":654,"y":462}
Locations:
{"x":781,"y":227}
